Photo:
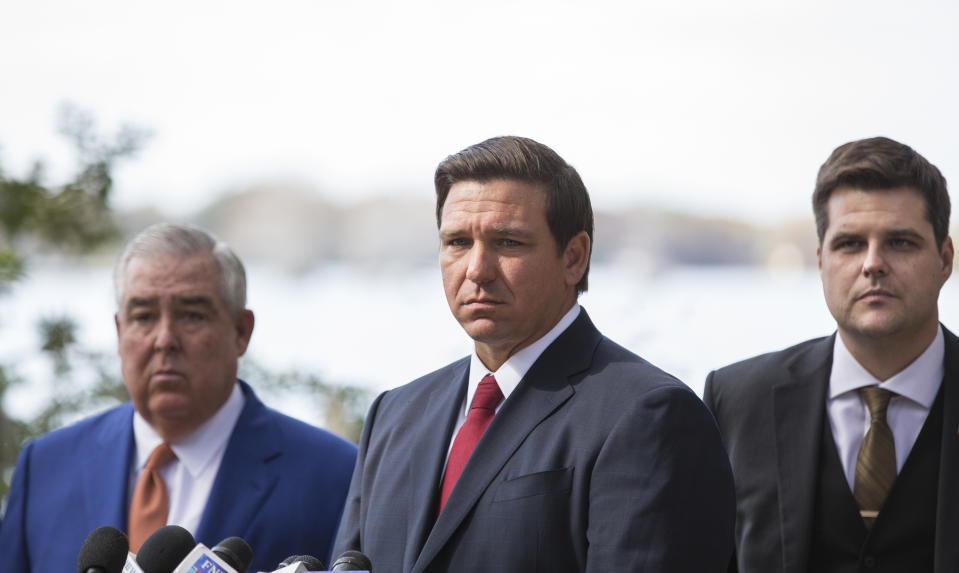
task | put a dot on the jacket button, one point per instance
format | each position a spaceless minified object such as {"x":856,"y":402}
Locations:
{"x":869,"y":561}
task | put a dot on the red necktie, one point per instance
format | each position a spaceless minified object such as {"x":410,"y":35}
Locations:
{"x":150,"y":504}
{"x":488,"y":396}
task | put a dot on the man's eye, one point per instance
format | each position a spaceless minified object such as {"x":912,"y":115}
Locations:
{"x":194,"y":316}
{"x":901,"y":243}
{"x":511,"y":243}
{"x":141,"y":317}
{"x":458,"y":242}
{"x":848,"y":245}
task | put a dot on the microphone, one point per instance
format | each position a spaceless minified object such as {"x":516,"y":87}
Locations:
{"x":299,"y":564}
{"x":164,"y":549}
{"x":236,"y":552}
{"x":103,"y":551}
{"x":232,"y":555}
{"x":351,"y":560}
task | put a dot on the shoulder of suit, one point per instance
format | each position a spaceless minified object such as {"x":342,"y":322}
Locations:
{"x":116,"y":419}
{"x":297,"y":434}
{"x":609,"y":353}
{"x":776,"y":360}
{"x":439,"y":378}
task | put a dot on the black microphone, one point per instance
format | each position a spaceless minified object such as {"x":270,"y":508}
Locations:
{"x":351,"y":560}
{"x":311,"y":563}
{"x":236,"y":552}
{"x":164,"y":549}
{"x":103,"y":551}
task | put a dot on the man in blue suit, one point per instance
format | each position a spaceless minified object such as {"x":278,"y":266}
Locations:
{"x":237,"y":467}
{"x":550,"y":448}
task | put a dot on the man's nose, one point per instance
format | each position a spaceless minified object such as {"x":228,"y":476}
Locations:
{"x":875,"y":262}
{"x":167,"y":338}
{"x":482,"y":264}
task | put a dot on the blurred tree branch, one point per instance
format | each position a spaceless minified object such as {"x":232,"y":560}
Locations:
{"x":74,"y":217}
{"x":342,"y":406}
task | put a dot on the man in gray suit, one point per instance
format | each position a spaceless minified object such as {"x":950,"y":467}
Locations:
{"x":844,"y":448}
{"x":550,"y":448}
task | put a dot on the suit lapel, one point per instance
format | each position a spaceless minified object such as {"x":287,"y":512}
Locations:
{"x":799,"y":405}
{"x":947,"y":518}
{"x":106,"y":471}
{"x":544,"y":389}
{"x":245,"y":478}
{"x":429,"y":455}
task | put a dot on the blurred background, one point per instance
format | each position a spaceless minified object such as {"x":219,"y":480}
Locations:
{"x":305,"y":133}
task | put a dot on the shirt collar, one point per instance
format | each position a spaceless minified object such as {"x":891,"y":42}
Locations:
{"x":918,"y":382}
{"x":199,"y":448}
{"x":516,"y":366}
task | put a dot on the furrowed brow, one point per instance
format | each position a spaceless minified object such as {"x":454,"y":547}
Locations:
{"x":906,"y":233}
{"x":195,"y":300}
{"x":512,"y":232}
{"x":140,"y":301}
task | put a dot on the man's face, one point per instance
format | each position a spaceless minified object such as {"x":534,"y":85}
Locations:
{"x":178,"y":342}
{"x":881,"y":268}
{"x":505,"y":280}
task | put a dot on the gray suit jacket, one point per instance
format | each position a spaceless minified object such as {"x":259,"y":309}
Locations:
{"x":597,"y":462}
{"x":770,"y":410}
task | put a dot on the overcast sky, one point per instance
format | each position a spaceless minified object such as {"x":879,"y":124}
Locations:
{"x":718,"y":107}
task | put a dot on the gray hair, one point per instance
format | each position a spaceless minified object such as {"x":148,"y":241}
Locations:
{"x":185,"y":241}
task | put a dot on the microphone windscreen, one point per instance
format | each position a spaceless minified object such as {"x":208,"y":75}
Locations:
{"x":104,"y":550}
{"x":311,"y":563}
{"x":164,"y":549}
{"x":236,"y":552}
{"x":352,"y":561}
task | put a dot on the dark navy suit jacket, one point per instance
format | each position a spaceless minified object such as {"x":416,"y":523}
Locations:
{"x":597,"y":462}
{"x":280,"y":486}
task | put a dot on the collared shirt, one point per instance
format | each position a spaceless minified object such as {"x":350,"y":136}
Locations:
{"x":512,"y":371}
{"x":915,"y":386}
{"x":189,"y":478}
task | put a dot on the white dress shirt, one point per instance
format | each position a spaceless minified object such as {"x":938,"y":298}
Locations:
{"x":915,"y":388}
{"x":512,"y":371}
{"x":189,"y":478}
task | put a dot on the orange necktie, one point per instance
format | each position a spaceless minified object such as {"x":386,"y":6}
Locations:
{"x":150,"y":504}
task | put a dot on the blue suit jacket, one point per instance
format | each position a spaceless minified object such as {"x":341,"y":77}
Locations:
{"x":597,"y":462}
{"x":280,"y":486}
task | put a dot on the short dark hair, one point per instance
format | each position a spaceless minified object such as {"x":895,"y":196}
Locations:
{"x":881,"y":164}
{"x":568,"y":209}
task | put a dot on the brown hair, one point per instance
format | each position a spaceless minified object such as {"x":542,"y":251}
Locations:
{"x":881,"y":164}
{"x":568,"y":209}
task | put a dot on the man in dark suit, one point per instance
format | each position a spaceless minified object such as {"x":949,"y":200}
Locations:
{"x":551,"y":448}
{"x":844,"y":449}
{"x":229,"y":465}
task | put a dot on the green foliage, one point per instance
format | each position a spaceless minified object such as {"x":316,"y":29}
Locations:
{"x":12,"y":432}
{"x":11,"y":266}
{"x":71,"y":398}
{"x":73,"y":217}
{"x":342,"y":406}
{"x":76,"y":215}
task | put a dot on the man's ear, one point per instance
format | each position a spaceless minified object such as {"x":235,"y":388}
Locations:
{"x":576,"y":257}
{"x":244,"y":330}
{"x":948,"y":255}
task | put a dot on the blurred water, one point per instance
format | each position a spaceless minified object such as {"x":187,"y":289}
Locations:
{"x":380,"y":329}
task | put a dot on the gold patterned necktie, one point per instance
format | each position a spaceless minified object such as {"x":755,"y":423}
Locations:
{"x":876,"y":464}
{"x":150,"y":504}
